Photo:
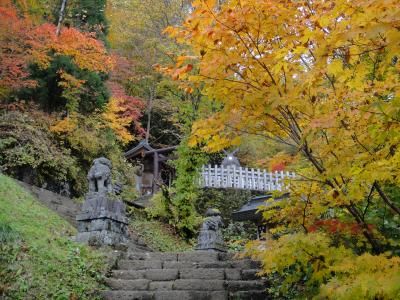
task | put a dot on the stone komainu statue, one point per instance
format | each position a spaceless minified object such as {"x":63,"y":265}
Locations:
{"x":210,"y":237}
{"x":213,"y":220}
{"x":231,"y":159}
{"x":99,"y":176}
{"x":102,"y":220}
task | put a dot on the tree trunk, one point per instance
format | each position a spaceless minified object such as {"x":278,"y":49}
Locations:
{"x":149,"y":108}
{"x":61,"y":17}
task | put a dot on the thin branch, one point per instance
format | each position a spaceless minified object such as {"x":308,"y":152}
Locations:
{"x":366,"y":231}
{"x":368,"y":201}
{"x":247,"y":48}
{"x":230,"y":80}
{"x":305,"y":211}
{"x":386,"y":199}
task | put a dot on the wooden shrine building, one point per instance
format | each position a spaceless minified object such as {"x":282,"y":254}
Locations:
{"x":152,"y":169}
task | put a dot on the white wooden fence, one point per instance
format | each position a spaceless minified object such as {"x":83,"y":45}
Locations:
{"x":243,"y":178}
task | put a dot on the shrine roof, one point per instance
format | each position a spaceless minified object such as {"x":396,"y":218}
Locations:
{"x":249,"y":211}
{"x":142,"y":146}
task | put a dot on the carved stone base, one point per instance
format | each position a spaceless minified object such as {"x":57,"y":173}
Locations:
{"x":102,"y":221}
{"x":101,"y":238}
{"x":210,"y":240}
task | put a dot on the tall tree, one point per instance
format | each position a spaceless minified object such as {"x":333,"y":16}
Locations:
{"x":136,"y":33}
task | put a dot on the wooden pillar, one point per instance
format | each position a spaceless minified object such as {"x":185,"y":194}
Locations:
{"x":155,"y":170}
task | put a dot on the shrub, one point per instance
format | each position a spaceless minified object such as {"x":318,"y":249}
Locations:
{"x":237,"y":234}
{"x":87,"y":139}
{"x":156,"y":234}
{"x":176,"y":205}
{"x":308,"y":265}
{"x":28,"y":152}
{"x":226,"y":200}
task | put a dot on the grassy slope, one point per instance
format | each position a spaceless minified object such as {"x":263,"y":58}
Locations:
{"x":157,"y":235}
{"x":42,"y":263}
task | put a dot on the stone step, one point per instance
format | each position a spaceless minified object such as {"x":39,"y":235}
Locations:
{"x":128,"y":274}
{"x":140,"y":264}
{"x":161,"y":286}
{"x":162,"y":274}
{"x":185,"y":284}
{"x":244,"y":285}
{"x":164,"y":295}
{"x":194,"y":256}
{"x":199,"y":284}
{"x":202,"y":273}
{"x":184,"y":256}
{"x":130,"y":264}
{"x":151,"y":274}
{"x":194,"y":265}
{"x":198,"y":256}
{"x":179,"y":284}
{"x":128,"y":285}
{"x":152,"y":256}
{"x":190,"y":273}
{"x":250,"y":274}
{"x":248,"y":295}
{"x":238,"y":264}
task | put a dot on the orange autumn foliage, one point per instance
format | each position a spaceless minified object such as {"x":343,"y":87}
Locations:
{"x":85,"y":50}
{"x":14,"y":33}
{"x":23,"y":43}
{"x":122,"y":112}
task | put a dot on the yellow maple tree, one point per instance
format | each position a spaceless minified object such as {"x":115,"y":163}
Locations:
{"x":113,"y":120}
{"x":321,"y":77}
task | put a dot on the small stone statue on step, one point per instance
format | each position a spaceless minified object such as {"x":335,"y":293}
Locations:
{"x":210,"y":237}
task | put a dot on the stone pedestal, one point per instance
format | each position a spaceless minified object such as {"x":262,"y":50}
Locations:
{"x":102,"y":221}
{"x":210,"y":237}
{"x":210,"y":240}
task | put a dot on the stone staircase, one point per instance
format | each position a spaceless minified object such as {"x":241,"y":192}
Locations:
{"x":142,"y":274}
{"x":197,"y":275}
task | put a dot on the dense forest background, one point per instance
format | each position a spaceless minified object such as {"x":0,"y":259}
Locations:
{"x":96,"y":90}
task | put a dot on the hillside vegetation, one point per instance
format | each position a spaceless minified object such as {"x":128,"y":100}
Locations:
{"x":37,"y":258}
{"x":157,"y":235}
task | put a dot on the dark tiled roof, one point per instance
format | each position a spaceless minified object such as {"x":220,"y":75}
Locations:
{"x":135,"y":150}
{"x":248,"y":212}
